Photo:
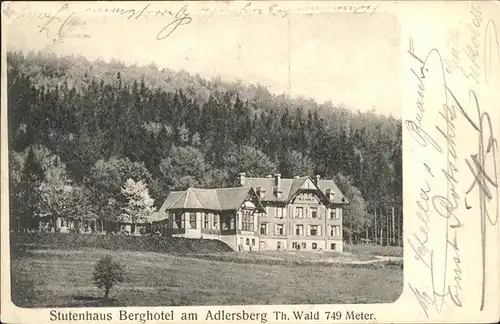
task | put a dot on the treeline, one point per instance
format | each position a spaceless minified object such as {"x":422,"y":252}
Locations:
{"x":97,"y":124}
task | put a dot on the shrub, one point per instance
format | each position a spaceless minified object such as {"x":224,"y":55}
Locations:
{"x":107,"y":274}
{"x":149,"y":243}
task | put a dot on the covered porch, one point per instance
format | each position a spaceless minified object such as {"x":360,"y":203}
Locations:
{"x":61,"y":224}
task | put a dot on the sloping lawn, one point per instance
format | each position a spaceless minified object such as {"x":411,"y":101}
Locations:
{"x":62,"y":278}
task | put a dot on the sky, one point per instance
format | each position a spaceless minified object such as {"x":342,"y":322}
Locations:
{"x":348,"y":59}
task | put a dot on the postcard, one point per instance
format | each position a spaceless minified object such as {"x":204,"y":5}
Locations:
{"x":250,"y":162}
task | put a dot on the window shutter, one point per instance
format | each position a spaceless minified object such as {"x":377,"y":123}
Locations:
{"x":319,"y":230}
{"x":276,"y":229}
{"x":308,"y":230}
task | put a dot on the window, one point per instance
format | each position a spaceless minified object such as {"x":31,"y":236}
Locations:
{"x":179,"y":220}
{"x":247,"y":241}
{"x":205,"y":221}
{"x":333,"y":213}
{"x":263,"y":229}
{"x":192,"y":220}
{"x":294,"y":245}
{"x":304,"y":245}
{"x":314,"y":212}
{"x":216,"y":221}
{"x":299,"y":212}
{"x":280,"y":229}
{"x":314,"y":230}
{"x":299,"y":230}
{"x":247,"y":219}
{"x":279,"y":212}
{"x":253,"y":242}
{"x":226,"y":222}
{"x":315,"y":246}
{"x":230,"y":221}
{"x":333,"y":246}
{"x":334,"y":230}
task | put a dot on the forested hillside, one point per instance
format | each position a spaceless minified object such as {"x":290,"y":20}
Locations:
{"x":78,"y":130}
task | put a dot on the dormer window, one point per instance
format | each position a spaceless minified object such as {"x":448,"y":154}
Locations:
{"x":329,"y":194}
{"x":260,"y":192}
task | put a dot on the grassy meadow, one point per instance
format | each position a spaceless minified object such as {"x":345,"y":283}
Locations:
{"x":46,"y":276}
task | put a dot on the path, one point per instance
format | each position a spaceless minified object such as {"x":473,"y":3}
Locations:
{"x":378,"y":259}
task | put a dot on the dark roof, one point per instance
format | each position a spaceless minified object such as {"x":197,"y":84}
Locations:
{"x":290,"y":187}
{"x":208,"y":199}
{"x":338,"y":196}
{"x":172,"y":197}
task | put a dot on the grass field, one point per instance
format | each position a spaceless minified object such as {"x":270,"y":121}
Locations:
{"x":62,"y":278}
{"x":47,"y":276}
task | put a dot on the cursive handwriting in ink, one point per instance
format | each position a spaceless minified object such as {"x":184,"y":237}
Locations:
{"x":64,"y":26}
{"x":182,"y":17}
{"x":422,"y":253}
{"x":423,"y":299}
{"x":452,"y":43}
{"x":415,"y":127}
{"x":490,"y":44}
{"x":51,"y":20}
{"x":483,"y":180}
{"x":432,"y":204}
{"x":472,"y":49}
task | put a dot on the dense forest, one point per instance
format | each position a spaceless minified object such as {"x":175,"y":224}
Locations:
{"x":78,"y":130}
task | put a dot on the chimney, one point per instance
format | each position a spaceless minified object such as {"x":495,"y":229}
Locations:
{"x":277,"y":183}
{"x":316,"y":180}
{"x":296,"y":177}
{"x":241,"y":176}
{"x":277,"y":180}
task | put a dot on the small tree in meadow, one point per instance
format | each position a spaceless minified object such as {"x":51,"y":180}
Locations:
{"x":107,"y":273}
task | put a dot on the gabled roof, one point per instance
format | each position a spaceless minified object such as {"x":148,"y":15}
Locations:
{"x":231,"y":199}
{"x":290,"y":187}
{"x":219,"y":199}
{"x":338,"y":196}
{"x":172,"y":197}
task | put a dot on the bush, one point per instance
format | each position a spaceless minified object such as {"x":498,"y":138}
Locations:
{"x":107,"y":274}
{"x":146,"y":243}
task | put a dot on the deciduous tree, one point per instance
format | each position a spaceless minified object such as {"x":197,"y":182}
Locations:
{"x":138,"y":203}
